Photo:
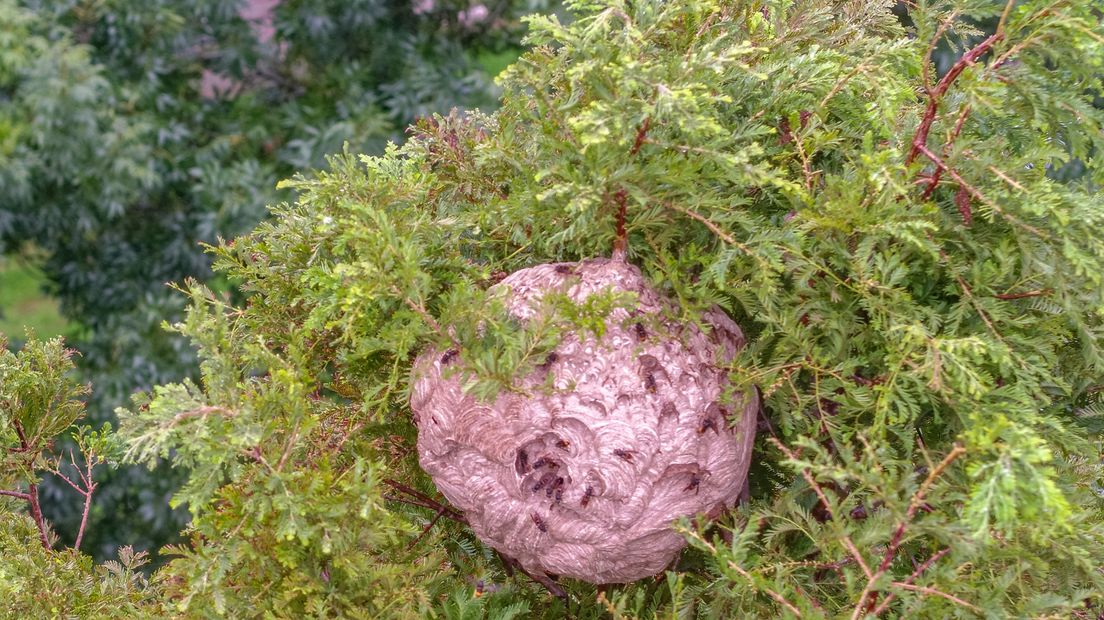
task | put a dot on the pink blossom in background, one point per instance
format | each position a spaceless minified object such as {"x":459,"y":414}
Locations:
{"x":473,"y":15}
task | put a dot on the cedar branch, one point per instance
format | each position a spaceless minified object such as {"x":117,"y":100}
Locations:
{"x":935,"y":94}
{"x":899,"y":534}
{"x":911,"y":578}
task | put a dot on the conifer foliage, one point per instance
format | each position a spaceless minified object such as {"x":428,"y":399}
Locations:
{"x":919,"y":277}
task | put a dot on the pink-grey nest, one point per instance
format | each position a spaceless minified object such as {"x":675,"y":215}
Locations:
{"x":584,"y":479}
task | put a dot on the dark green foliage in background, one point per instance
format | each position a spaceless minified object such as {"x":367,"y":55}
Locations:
{"x":115,"y":168}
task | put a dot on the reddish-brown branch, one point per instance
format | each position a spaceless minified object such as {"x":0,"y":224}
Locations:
{"x":641,"y":134}
{"x":434,"y":506}
{"x":84,"y":517}
{"x":977,"y":195}
{"x":429,"y":526}
{"x":934,"y":181}
{"x":90,"y":488}
{"x":935,"y":94}
{"x":32,"y":489}
{"x":621,"y":242}
{"x":925,"y":68}
{"x":86,"y":488}
{"x":426,"y":501}
{"x":16,"y":494}
{"x":36,"y":513}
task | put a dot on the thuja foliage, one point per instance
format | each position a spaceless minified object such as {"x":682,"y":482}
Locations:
{"x":120,"y":151}
{"x":918,"y":275}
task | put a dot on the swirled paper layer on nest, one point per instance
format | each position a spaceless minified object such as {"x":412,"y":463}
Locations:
{"x":585,"y":479}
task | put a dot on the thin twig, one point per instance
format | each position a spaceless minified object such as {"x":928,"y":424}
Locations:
{"x":947,"y":151}
{"x":17,"y":494}
{"x":451,"y":513}
{"x":917,"y":501}
{"x":713,"y":228}
{"x":430,"y":505}
{"x":925,"y":68}
{"x":620,"y":197}
{"x":84,"y":517}
{"x":934,"y":592}
{"x":854,"y":551}
{"x":862,"y":68}
{"x":1010,"y":296}
{"x":86,"y":487}
{"x":641,"y":133}
{"x":90,"y":488}
{"x":938,"y":161}
{"x":911,"y":578}
{"x":440,"y":513}
{"x":1007,"y":179}
{"x":621,"y":238}
{"x":200,"y":412}
{"x":36,"y":512}
{"x":899,"y":534}
{"x":420,"y":309}
{"x":746,"y":575}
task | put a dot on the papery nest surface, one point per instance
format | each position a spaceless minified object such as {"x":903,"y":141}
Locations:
{"x":610,"y":439}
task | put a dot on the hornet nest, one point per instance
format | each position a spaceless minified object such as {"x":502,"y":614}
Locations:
{"x":585,"y":479}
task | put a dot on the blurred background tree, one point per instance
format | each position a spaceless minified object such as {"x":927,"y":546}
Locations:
{"x":133,"y":132}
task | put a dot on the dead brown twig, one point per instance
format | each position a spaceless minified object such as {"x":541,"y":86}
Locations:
{"x":417,"y":498}
{"x":85,"y":488}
